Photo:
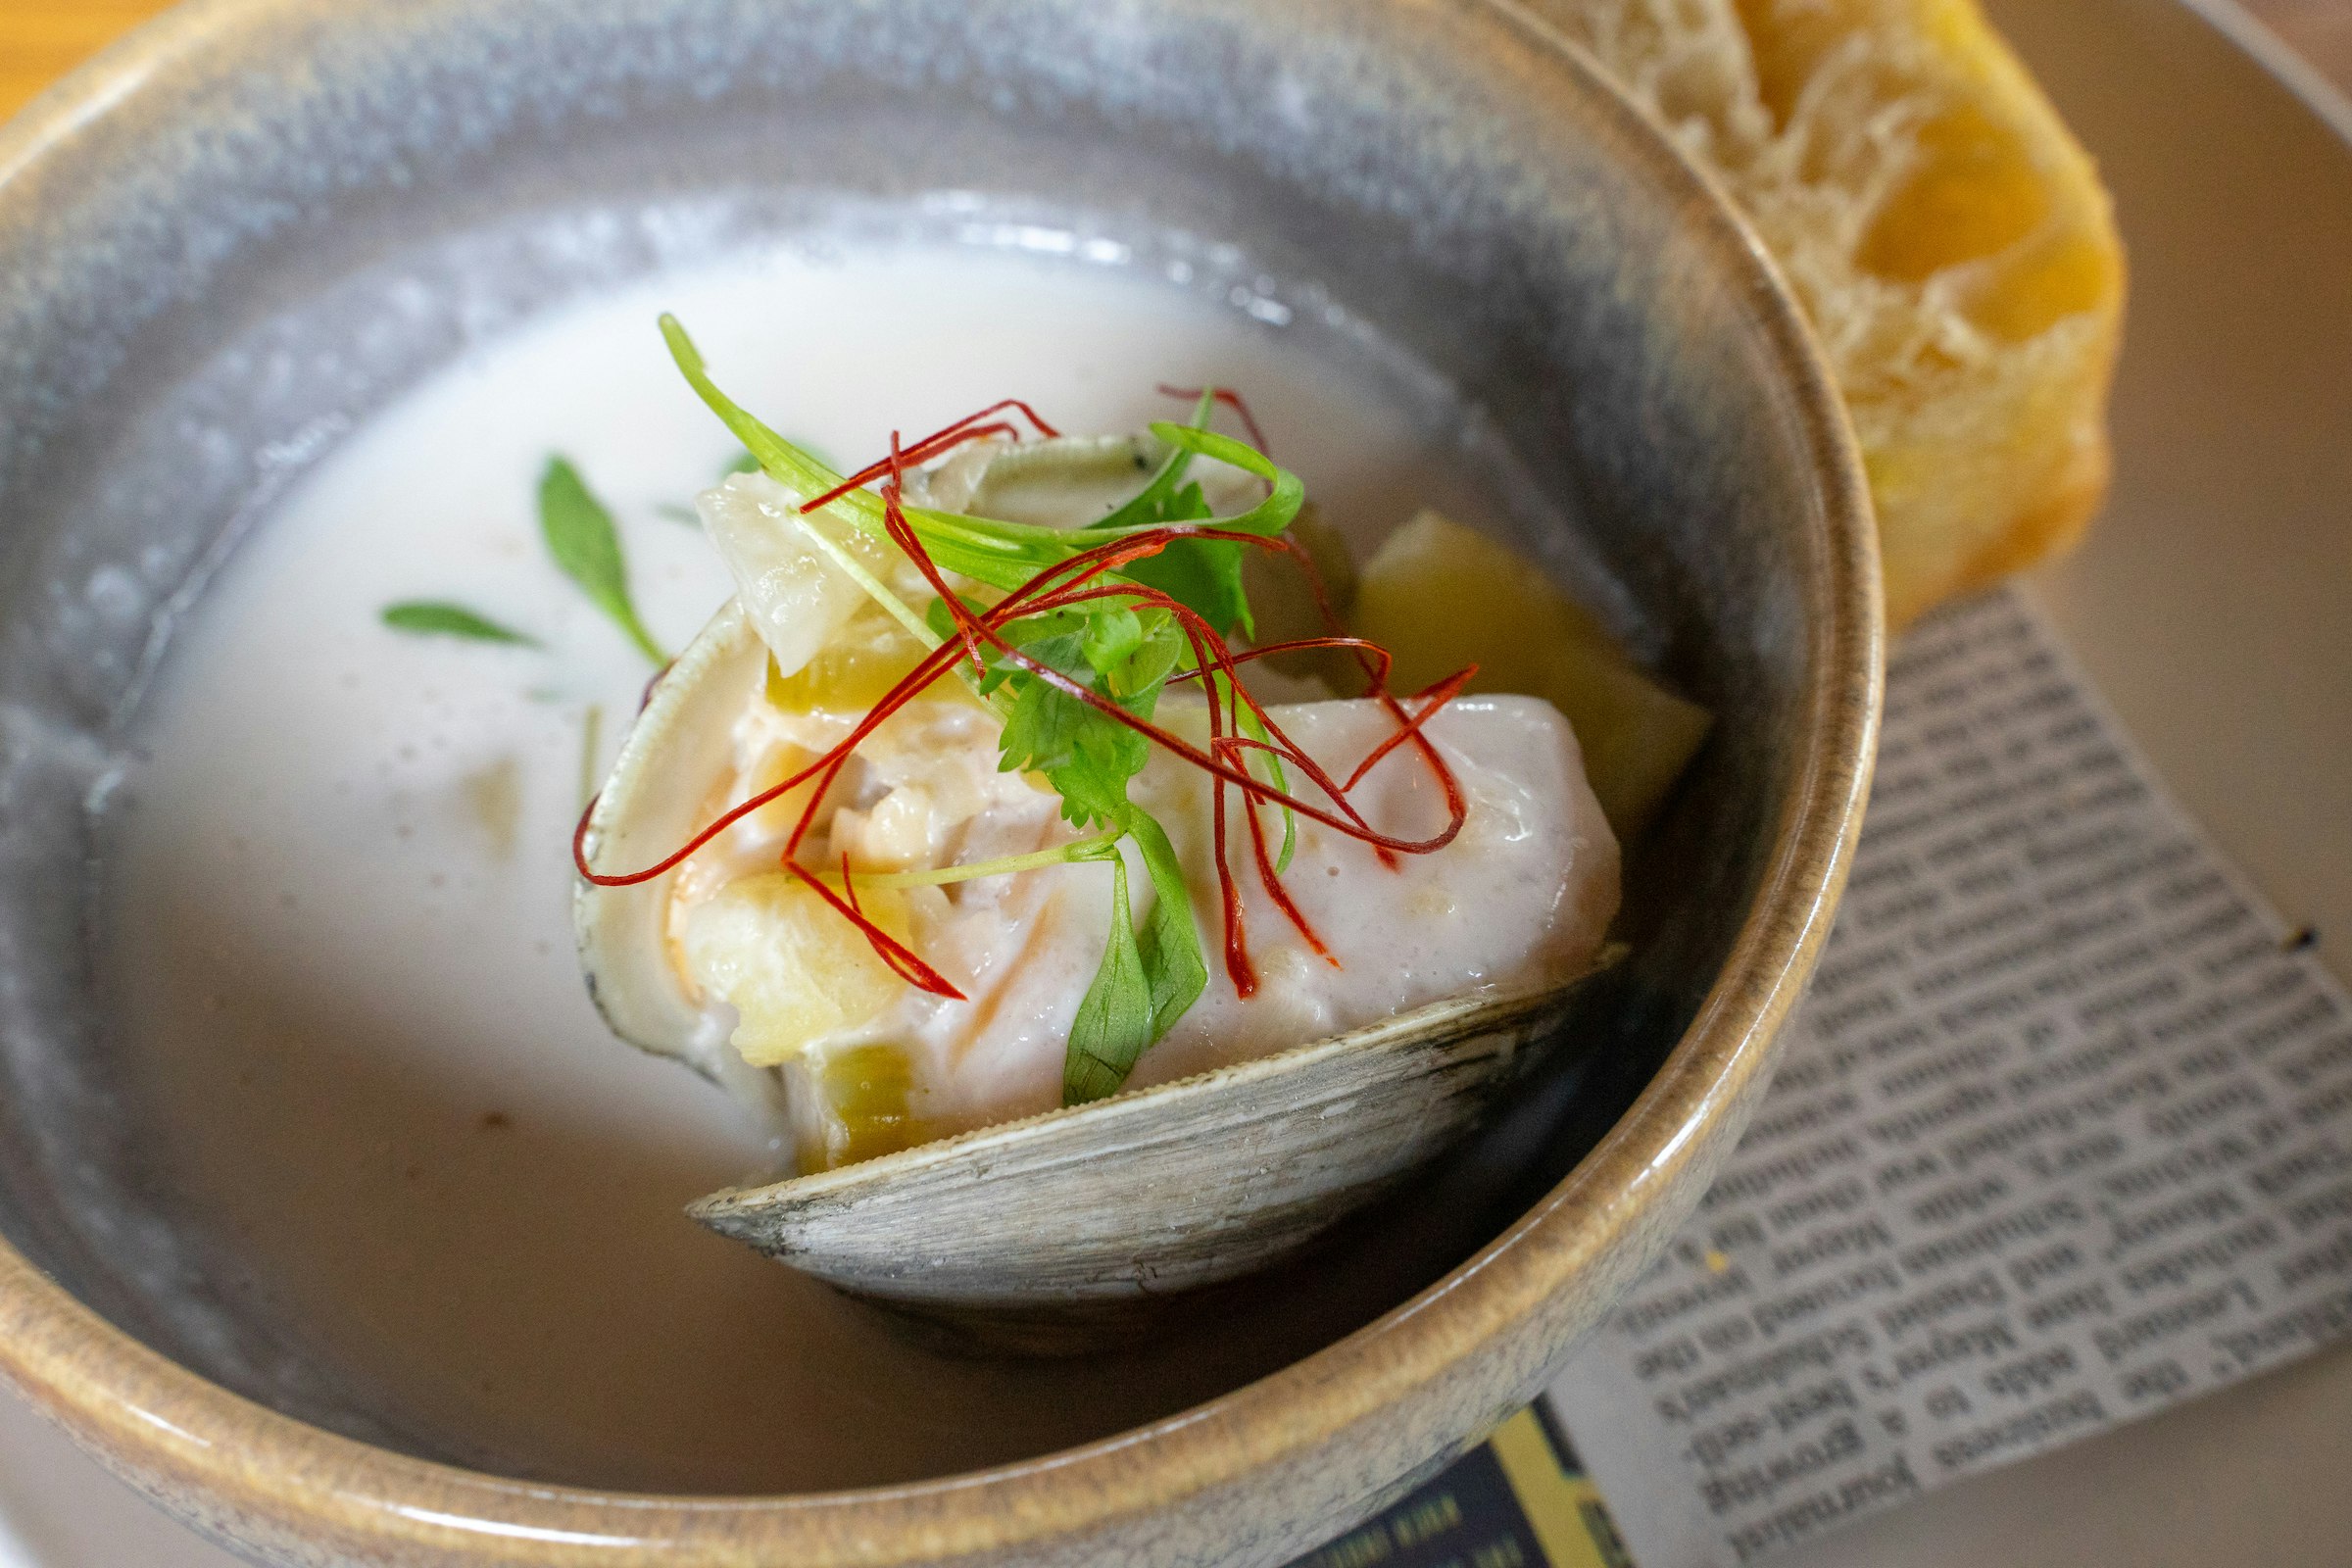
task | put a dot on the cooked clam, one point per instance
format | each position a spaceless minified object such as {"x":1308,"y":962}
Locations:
{"x":1179,"y":1183}
{"x":896,"y":931}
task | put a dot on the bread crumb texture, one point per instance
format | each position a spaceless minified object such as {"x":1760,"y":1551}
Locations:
{"x":1949,"y":237}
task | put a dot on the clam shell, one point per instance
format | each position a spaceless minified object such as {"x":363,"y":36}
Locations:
{"x":1041,"y":1223}
{"x":646,"y":810}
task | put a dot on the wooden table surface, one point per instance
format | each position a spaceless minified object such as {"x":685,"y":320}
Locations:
{"x":2320,"y":28}
{"x":40,"y":40}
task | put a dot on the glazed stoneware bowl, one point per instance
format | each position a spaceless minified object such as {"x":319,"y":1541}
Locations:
{"x":195,"y":234}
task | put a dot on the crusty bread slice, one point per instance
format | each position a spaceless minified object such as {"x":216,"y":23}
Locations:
{"x":1949,"y":237}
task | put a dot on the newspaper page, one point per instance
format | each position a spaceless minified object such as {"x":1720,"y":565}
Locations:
{"x":2058,"y":1138}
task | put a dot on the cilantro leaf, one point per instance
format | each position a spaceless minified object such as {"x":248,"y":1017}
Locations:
{"x":1112,"y":638}
{"x":1146,"y":670}
{"x":432,"y":617}
{"x":1086,"y":757}
{"x":1125,"y":657}
{"x":1204,"y":575}
{"x":580,"y":535}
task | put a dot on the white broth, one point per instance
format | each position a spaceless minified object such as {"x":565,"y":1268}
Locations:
{"x":339,"y":924}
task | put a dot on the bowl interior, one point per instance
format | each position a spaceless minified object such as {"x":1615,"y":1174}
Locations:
{"x":306,"y":209}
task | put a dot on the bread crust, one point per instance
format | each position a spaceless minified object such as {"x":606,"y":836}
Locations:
{"x":1947,"y":236}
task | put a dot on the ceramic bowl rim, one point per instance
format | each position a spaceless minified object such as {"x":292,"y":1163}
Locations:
{"x":174,"y":1434}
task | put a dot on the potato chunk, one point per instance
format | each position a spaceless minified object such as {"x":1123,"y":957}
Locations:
{"x":1439,"y":596}
{"x":794,"y":970}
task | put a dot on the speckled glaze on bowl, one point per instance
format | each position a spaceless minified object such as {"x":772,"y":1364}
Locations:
{"x":1445,"y":170}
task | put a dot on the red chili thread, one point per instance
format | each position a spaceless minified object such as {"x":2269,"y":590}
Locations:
{"x":1271,"y":878}
{"x":936,"y":665}
{"x":1226,"y":759}
{"x":922,"y":451}
{"x":1211,"y":655}
{"x":1231,"y":399}
{"x":901,"y":533}
{"x":903,"y":963}
{"x":1373,"y":660}
{"x":1436,"y":696}
{"x":1203,"y":639}
{"x":940,"y":441}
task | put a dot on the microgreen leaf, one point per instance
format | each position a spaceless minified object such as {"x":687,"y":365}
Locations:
{"x":1154,"y":502}
{"x":1003,"y":554}
{"x":580,"y":535}
{"x":1172,"y":944}
{"x":432,"y":617}
{"x":1205,"y":575}
{"x":1285,"y":493}
{"x":1115,"y":1021}
{"x":1104,"y":848}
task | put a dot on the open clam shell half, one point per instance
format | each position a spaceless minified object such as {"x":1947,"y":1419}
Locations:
{"x":1050,"y":1222}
